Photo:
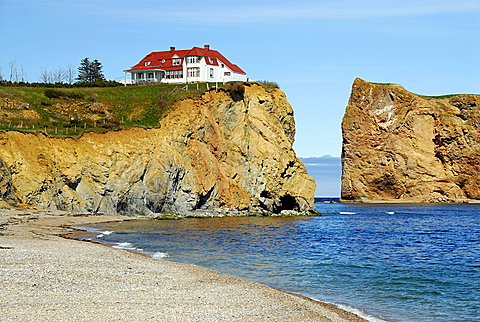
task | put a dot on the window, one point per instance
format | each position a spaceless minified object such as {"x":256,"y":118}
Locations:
{"x":193,"y":72}
{"x":147,"y":63}
{"x":193,"y":59}
{"x":227,"y":73}
{"x":140,"y":75}
{"x":211,"y":73}
{"x":173,"y":74}
{"x":176,"y":61}
{"x":150,"y":75}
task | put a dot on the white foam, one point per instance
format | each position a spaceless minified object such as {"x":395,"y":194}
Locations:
{"x":103,"y":233}
{"x":347,"y":213}
{"x":159,"y":255}
{"x":358,"y":312}
{"x":100,"y":232}
{"x":128,"y":246}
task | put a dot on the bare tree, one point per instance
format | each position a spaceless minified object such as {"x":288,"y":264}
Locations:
{"x":45,"y":77}
{"x":22,"y":76}
{"x":13,"y":71}
{"x":16,"y":75}
{"x":70,"y":74}
{"x":58,"y":75}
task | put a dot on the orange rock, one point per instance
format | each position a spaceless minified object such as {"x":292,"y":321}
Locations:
{"x":209,"y":156}
{"x":402,"y":147}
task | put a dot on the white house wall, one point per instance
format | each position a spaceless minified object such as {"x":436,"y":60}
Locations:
{"x":218,"y":74}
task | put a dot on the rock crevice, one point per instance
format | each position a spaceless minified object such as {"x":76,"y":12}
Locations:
{"x":226,"y":152}
{"x":402,"y":147}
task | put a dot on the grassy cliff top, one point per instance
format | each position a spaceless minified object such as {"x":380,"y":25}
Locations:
{"x":71,"y":111}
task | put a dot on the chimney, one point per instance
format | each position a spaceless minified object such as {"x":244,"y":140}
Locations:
{"x":172,"y":49}
{"x":207,"y":47}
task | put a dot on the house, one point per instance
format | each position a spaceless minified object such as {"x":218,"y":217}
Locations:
{"x":184,"y":66}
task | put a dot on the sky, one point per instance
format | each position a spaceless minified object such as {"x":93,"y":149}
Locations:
{"x":313,"y":49}
{"x":327,"y":171}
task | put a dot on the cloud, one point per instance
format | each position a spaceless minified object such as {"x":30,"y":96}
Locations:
{"x":326,"y":171}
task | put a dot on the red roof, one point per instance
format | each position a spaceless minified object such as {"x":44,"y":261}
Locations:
{"x":163,"y":60}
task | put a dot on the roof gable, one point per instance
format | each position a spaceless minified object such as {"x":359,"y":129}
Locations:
{"x":163,"y":59}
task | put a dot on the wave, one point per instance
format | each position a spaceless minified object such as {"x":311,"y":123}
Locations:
{"x":130,"y":246}
{"x":127,"y":246}
{"x":100,"y":233}
{"x":359,"y":312}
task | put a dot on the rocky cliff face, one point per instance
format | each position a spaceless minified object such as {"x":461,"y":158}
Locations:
{"x":402,"y":147}
{"x":230,"y":151}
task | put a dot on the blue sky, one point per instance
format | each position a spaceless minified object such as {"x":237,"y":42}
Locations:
{"x":313,"y":49}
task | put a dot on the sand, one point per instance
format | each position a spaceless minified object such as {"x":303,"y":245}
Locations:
{"x":46,"y":276}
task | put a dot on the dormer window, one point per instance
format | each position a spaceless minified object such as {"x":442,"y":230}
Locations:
{"x":210,"y":60}
{"x":176,"y":61}
{"x":147,"y":63}
{"x":193,"y":59}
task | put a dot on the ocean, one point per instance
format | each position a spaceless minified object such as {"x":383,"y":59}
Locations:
{"x":383,"y":262}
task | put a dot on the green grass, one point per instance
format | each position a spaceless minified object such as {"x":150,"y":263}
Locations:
{"x":440,"y":96}
{"x":383,"y":83}
{"x":426,"y":96}
{"x":126,"y":106}
{"x":72,"y":111}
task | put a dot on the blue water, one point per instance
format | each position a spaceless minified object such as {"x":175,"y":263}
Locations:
{"x":390,"y":262}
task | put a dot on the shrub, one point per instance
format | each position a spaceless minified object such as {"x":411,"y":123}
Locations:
{"x":76,"y":95}
{"x":99,"y":83}
{"x":269,"y":85}
{"x":53,"y":93}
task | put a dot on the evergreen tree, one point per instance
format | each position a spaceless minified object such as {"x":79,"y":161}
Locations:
{"x":97,"y":70}
{"x":90,"y":71}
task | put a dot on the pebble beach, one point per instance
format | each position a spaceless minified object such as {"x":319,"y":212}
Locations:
{"x":46,"y":275}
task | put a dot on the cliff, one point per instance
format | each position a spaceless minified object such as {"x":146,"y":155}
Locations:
{"x":402,"y":147}
{"x":228,"y":151}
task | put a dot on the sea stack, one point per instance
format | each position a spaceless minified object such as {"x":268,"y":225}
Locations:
{"x":403,"y":147}
{"x":228,"y":152}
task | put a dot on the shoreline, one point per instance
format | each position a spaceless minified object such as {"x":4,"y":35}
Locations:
{"x":48,"y":274}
